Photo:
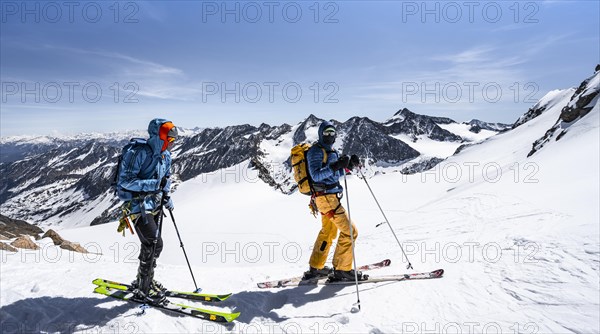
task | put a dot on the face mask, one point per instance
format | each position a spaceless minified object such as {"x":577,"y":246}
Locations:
{"x":328,"y":140}
{"x":329,"y":136}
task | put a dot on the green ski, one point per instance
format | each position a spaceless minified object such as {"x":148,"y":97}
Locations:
{"x":205,"y":314}
{"x":169,"y":293}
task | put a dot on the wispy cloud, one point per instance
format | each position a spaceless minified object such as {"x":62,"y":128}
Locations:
{"x":147,"y":66}
{"x":472,"y":55}
{"x":153,"y":79}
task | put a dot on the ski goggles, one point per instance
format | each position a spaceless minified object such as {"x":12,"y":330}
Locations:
{"x":329,"y":132}
{"x":171,"y":139}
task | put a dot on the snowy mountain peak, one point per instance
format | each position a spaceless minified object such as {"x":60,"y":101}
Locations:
{"x":400,"y":115}
{"x":300,"y":135}
{"x":548,"y":101}
{"x":583,"y":101}
{"x":405,"y":122}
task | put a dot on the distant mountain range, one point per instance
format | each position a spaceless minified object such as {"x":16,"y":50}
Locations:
{"x":66,"y":180}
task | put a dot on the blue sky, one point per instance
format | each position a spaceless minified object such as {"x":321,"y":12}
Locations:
{"x":105,"y":66}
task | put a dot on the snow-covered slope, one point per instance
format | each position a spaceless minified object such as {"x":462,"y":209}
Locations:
{"x":518,"y":237}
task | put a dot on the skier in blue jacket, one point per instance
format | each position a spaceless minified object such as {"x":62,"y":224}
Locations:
{"x":325,"y":167}
{"x":144,"y":178}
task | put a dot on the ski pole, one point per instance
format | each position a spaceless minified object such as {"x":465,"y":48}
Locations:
{"x":409,"y":266}
{"x":354,"y":307}
{"x":184,"y":253}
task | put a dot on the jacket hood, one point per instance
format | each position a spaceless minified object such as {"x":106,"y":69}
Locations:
{"x":154,"y":141}
{"x":322,"y":127}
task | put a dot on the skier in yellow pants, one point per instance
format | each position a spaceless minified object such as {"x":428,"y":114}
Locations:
{"x":325,"y":168}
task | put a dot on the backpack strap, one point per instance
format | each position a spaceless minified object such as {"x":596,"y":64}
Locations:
{"x":317,"y":188}
{"x":324,"y":154}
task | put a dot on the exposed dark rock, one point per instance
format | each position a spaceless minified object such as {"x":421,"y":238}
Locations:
{"x":475,"y":129}
{"x":368,"y":139}
{"x":73,"y":246}
{"x":476,"y":126}
{"x":56,"y":238}
{"x":462,"y":147}
{"x":265,"y":174}
{"x":421,"y":166}
{"x":581,"y":104}
{"x":532,"y":113}
{"x":214,"y":149}
{"x":12,"y":228}
{"x":106,"y":216}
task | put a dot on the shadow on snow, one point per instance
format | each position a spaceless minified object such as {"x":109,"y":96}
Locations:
{"x":68,"y":315}
{"x":58,"y":314}
{"x":262,"y":304}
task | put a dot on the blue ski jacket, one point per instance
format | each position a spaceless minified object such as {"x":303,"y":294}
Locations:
{"x":147,"y":181}
{"x":324,"y":178}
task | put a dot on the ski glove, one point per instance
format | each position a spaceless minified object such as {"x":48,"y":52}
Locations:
{"x":354,"y":161}
{"x":341,"y":163}
{"x":167,"y":202}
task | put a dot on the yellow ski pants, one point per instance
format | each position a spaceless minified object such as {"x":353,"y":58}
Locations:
{"x":333,"y":218}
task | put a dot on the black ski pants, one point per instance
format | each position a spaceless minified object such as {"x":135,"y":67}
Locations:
{"x":146,"y":231}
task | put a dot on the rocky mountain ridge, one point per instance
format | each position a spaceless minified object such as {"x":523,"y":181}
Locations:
{"x":66,"y":180}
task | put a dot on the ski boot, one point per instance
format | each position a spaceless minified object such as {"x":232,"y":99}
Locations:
{"x":155,"y":295}
{"x":157,"y":286}
{"x":317,"y":273}
{"x":145,"y":288}
{"x":346,"y":275}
